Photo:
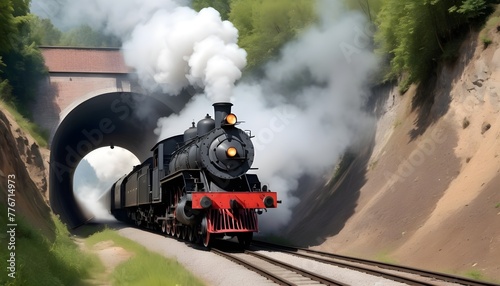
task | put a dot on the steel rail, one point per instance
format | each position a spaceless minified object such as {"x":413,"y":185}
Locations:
{"x":303,"y":272}
{"x":273,"y":276}
{"x":388,"y":266}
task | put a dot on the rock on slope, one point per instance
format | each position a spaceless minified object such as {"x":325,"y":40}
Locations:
{"x":21,"y":157}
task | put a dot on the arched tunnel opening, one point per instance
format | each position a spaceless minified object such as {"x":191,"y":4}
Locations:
{"x":122,"y":119}
{"x":93,"y":176}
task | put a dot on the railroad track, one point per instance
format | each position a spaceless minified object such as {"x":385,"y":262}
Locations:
{"x":277,"y":271}
{"x":406,"y":275}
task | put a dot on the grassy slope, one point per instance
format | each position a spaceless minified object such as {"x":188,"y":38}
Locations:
{"x":144,"y":267}
{"x":41,"y":262}
{"x":40,"y":136}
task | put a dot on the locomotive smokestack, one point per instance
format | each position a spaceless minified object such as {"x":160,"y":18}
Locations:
{"x":221,"y":109}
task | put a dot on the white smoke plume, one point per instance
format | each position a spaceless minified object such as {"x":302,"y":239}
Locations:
{"x":183,"y":47}
{"x":170,"y":46}
{"x":307,"y":109}
{"x":111,"y":164}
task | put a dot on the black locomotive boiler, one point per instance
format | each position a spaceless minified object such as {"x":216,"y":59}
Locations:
{"x":196,"y":185}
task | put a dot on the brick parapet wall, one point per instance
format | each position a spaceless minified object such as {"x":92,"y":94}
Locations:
{"x":60,"y":92}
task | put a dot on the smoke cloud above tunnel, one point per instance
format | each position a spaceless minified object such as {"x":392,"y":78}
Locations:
{"x":169,"y":45}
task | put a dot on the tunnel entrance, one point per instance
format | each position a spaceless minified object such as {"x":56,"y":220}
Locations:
{"x":122,"y":119}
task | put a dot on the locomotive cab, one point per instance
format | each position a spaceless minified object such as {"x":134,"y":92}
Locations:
{"x":162,"y":153}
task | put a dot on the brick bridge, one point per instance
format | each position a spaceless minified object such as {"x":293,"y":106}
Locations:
{"x":91,"y":99}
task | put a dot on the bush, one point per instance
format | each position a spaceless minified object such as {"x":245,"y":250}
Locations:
{"x":416,"y":33}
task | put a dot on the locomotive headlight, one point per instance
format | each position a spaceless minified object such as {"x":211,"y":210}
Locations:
{"x":231,"y":119}
{"x":231,"y":152}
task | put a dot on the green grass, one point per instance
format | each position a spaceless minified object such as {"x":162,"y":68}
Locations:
{"x":144,"y":267}
{"x":40,"y":136}
{"x":42,"y":262}
{"x":493,"y":22}
{"x":342,"y":166}
{"x":397,"y":123}
{"x":384,"y":257}
{"x":486,"y":41}
{"x":404,"y":85}
{"x":474,"y":274}
{"x":373,"y":165}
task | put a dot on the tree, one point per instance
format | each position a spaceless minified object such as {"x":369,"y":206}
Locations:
{"x":223,"y":6}
{"x":43,"y":32}
{"x":369,"y":7}
{"x":22,"y":61}
{"x":470,"y":8}
{"x":85,"y":36}
{"x":7,"y":25}
{"x":265,"y":26}
{"x":417,"y":33}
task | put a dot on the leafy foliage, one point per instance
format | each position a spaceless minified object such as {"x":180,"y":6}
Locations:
{"x":43,"y":32}
{"x":85,"y":36}
{"x":40,"y":135}
{"x":5,"y":91}
{"x":470,"y":8}
{"x":22,"y":62}
{"x":265,"y":26}
{"x":24,"y":67}
{"x":7,"y":26}
{"x":223,"y":6}
{"x":416,"y":33}
{"x":369,"y":7}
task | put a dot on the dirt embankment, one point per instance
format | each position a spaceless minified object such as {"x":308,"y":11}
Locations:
{"x":22,"y":157}
{"x":427,"y":191}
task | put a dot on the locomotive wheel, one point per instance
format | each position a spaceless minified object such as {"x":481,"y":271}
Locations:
{"x":197,"y":235}
{"x":191,"y":233}
{"x":184,"y":232}
{"x":137,"y":218}
{"x":163,"y":226}
{"x":206,"y":239}
{"x":173,"y":230}
{"x":205,"y":235}
{"x":168,"y":228}
{"x":178,"y":231}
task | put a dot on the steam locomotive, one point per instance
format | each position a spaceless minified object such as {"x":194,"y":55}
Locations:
{"x":196,"y":185}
